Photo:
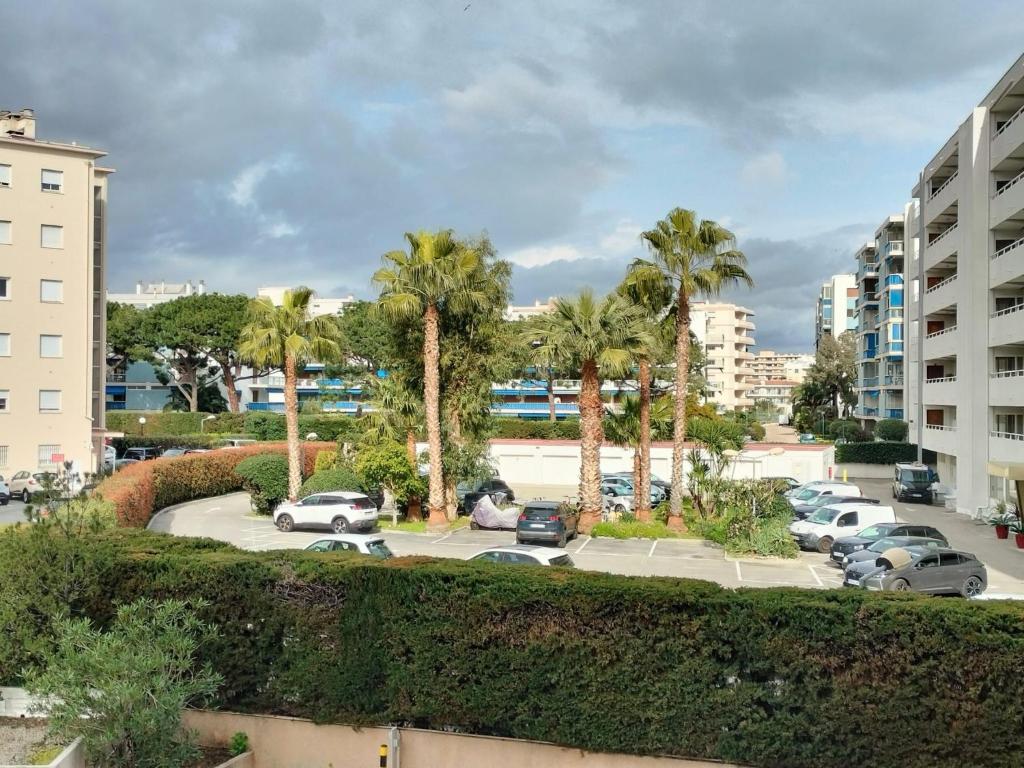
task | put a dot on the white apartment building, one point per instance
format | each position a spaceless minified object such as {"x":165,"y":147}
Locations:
{"x":319,"y":305}
{"x":966,"y":303}
{"x":781,"y":366}
{"x":777,"y":392}
{"x":53,"y":198}
{"x":837,"y":307}
{"x":880,"y":337}
{"x":726,"y":333}
{"x":526,"y":311}
{"x":148,"y":295}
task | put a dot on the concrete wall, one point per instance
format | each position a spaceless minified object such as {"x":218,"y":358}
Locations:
{"x":72,"y":757}
{"x":865,"y":471}
{"x":282,"y":742}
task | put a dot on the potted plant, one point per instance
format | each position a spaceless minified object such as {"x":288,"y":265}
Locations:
{"x":1018,"y":532}
{"x":1001,"y":520}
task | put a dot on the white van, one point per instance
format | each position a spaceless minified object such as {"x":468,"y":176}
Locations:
{"x":826,"y":525}
{"x":808,"y":491}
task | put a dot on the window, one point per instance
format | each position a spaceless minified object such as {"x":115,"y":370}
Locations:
{"x":949,"y":558}
{"x":52,"y":180}
{"x":5,"y":400}
{"x":49,"y":401}
{"x":51,"y":346}
{"x":49,"y":456}
{"x":51,"y":290}
{"x":52,"y":236}
{"x":5,"y":233}
{"x":5,"y":345}
{"x":3,"y":456}
{"x":5,"y":175}
{"x":5,"y":287}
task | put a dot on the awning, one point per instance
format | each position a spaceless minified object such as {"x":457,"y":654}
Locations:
{"x":1006,"y":471}
{"x":116,"y":389}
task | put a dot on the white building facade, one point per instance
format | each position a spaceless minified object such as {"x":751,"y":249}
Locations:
{"x":726,"y":334}
{"x":837,"y":307}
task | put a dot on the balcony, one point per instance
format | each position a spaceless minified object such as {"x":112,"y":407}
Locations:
{"x":941,"y":438}
{"x":894,"y":281}
{"x":869,"y":382}
{"x":1007,"y":138}
{"x":1008,"y":201}
{"x":867,"y":298}
{"x":744,"y":339}
{"x":116,"y":377}
{"x":1007,"y":264}
{"x":893,"y":349}
{"x":940,"y":391}
{"x":941,"y":344}
{"x":942,"y":247}
{"x":1006,"y":326}
{"x":870,"y":353}
{"x":112,"y":405}
{"x":1006,"y":388}
{"x":893,"y":248}
{"x":941,"y":295}
{"x":1005,"y":446}
{"x":945,"y":194}
{"x":893,"y":381}
{"x":894,"y":413}
{"x":866,"y":413}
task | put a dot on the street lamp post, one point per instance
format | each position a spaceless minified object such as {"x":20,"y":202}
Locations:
{"x":142,"y":426}
{"x":202,"y":424}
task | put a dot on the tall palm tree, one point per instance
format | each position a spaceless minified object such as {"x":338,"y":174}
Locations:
{"x":396,"y":414}
{"x":437,"y":270}
{"x":597,"y":337}
{"x":627,"y":429}
{"x":653,"y":298}
{"x":288,"y":337}
{"x":695,"y":258}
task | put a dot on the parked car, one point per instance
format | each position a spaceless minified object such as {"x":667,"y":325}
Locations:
{"x":522,"y":554}
{"x":912,"y":481}
{"x":945,"y":572}
{"x":23,"y":484}
{"x":5,"y":493}
{"x":109,"y":457}
{"x":790,"y":482}
{"x":625,"y":480}
{"x":807,"y":437}
{"x":549,"y":521}
{"x":617,"y":498}
{"x":172,"y":452}
{"x":826,"y":525}
{"x":808,"y":491}
{"x":122,"y":463}
{"x":803,"y":511}
{"x":656,"y":482}
{"x":847,"y":544}
{"x":859,"y":564}
{"x":142,"y":454}
{"x":341,"y":511}
{"x":375,"y":546}
{"x":492,"y":488}
{"x":196,"y":450}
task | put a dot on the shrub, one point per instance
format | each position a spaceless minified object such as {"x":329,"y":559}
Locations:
{"x":265,"y":477}
{"x":891,"y":430}
{"x":122,"y":444}
{"x":140,"y":490}
{"x":634,"y":529}
{"x":171,"y":423}
{"x":123,"y":690}
{"x":239,"y":743}
{"x":875,"y":453}
{"x":733,"y":675}
{"x":337,"y":479}
{"x":325,"y":460}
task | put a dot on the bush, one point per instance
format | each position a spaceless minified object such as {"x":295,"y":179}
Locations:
{"x":337,"y":479}
{"x":528,"y":429}
{"x":875,"y":453}
{"x":325,"y":460}
{"x":723,"y":674}
{"x":122,"y":444}
{"x":891,"y":430}
{"x":634,"y":529}
{"x":140,"y":490}
{"x":170,"y":423}
{"x":265,"y":477}
{"x":123,"y":691}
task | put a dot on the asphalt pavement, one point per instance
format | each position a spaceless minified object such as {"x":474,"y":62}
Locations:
{"x":12,"y":512}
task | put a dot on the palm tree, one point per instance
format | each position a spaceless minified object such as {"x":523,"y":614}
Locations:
{"x":396,"y":416}
{"x":437,"y":271}
{"x":653,"y":297}
{"x":694,"y":258}
{"x":627,"y":429}
{"x":597,"y":337}
{"x":288,"y":337}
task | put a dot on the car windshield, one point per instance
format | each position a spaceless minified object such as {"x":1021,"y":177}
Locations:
{"x":379,"y":549}
{"x":807,"y":493}
{"x":883,"y":544}
{"x":820,"y":501}
{"x":823,"y":516}
{"x":914,"y":476}
{"x":873,"y":532}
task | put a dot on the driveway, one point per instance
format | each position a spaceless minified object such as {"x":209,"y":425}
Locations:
{"x":12,"y":513}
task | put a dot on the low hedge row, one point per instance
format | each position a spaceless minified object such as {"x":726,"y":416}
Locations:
{"x":174,"y":422}
{"x":766,"y":677}
{"x":875,"y":453}
{"x":139,"y":490}
{"x":206,"y":440}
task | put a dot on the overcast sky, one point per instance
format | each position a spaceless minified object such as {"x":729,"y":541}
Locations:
{"x":268,"y":142}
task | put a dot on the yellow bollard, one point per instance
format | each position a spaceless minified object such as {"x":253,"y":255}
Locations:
{"x":844,"y":474}
{"x":383,"y":756}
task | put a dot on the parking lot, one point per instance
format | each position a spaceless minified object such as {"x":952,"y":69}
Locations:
{"x":12,"y":513}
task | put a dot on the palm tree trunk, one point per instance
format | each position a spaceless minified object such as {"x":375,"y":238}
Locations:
{"x":291,"y":420}
{"x":642,"y":470}
{"x":591,"y":436}
{"x":551,"y":396}
{"x":682,"y":356}
{"x":413,"y":510}
{"x":432,"y":403}
{"x":410,"y":446}
{"x":451,"y":499}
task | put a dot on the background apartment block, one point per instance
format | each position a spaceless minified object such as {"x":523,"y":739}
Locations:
{"x":52,"y":299}
{"x":967,"y":301}
{"x":880,"y":341}
{"x":837,"y":307}
{"x":791,"y":366}
{"x":726,"y":333}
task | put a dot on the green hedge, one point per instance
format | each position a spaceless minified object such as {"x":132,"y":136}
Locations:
{"x":121,"y":444}
{"x":528,"y":429}
{"x":766,"y":677}
{"x":265,"y":477}
{"x":174,"y":422}
{"x":335,"y":479}
{"x":893,"y":430}
{"x":875,"y":453}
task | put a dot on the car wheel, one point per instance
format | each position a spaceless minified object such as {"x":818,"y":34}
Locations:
{"x":563,"y":540}
{"x":285,"y":523}
{"x":825,"y":545}
{"x":900,"y":585}
{"x":339,"y":525}
{"x":25,"y":496}
{"x":473,"y":525}
{"x":619,"y":509}
{"x":972,"y":587}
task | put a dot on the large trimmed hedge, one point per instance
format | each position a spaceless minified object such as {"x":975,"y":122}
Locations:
{"x":174,"y":422}
{"x":140,"y":490}
{"x":875,"y":453}
{"x":773,"y":677}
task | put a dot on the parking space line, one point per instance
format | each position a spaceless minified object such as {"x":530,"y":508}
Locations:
{"x":446,"y":536}
{"x":651,"y":553}
{"x":589,"y":539}
{"x":814,"y":573}
{"x":739,"y":573}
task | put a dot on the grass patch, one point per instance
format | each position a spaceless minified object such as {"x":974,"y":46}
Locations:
{"x":45,"y":755}
{"x":417,"y":526}
{"x":634,"y":529}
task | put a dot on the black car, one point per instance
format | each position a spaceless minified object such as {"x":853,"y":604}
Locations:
{"x":847,"y":544}
{"x":913,"y":481}
{"x":803,"y":511}
{"x":142,"y":454}
{"x":491,"y":488}
{"x":549,"y":521}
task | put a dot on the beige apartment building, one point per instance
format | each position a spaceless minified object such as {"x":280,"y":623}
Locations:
{"x":778,"y":366}
{"x":726,"y":333}
{"x":52,"y":310}
{"x":965,"y":372}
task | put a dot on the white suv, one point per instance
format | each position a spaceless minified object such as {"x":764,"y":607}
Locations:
{"x":826,"y":525}
{"x":808,"y":491}
{"x":341,"y":511}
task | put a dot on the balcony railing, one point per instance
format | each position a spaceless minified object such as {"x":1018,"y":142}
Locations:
{"x":941,"y":283}
{"x":893,"y":381}
{"x":1007,"y":435}
{"x":893,"y":248}
{"x":116,"y":406}
{"x":869,"y":382}
{"x":894,"y":280}
{"x":866,"y":412}
{"x":1011,"y":247}
{"x":936,"y":192}
{"x":1009,"y":122}
{"x":894,"y":413}
{"x":943,"y":332}
{"x":1016,"y":372}
{"x":894,"y":313}
{"x":941,"y":427}
{"x":867,"y":298}
{"x":942,"y":234}
{"x":894,"y":347}
{"x":940,"y":380}
{"x":1012,"y":182}
{"x":1009,"y":310}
